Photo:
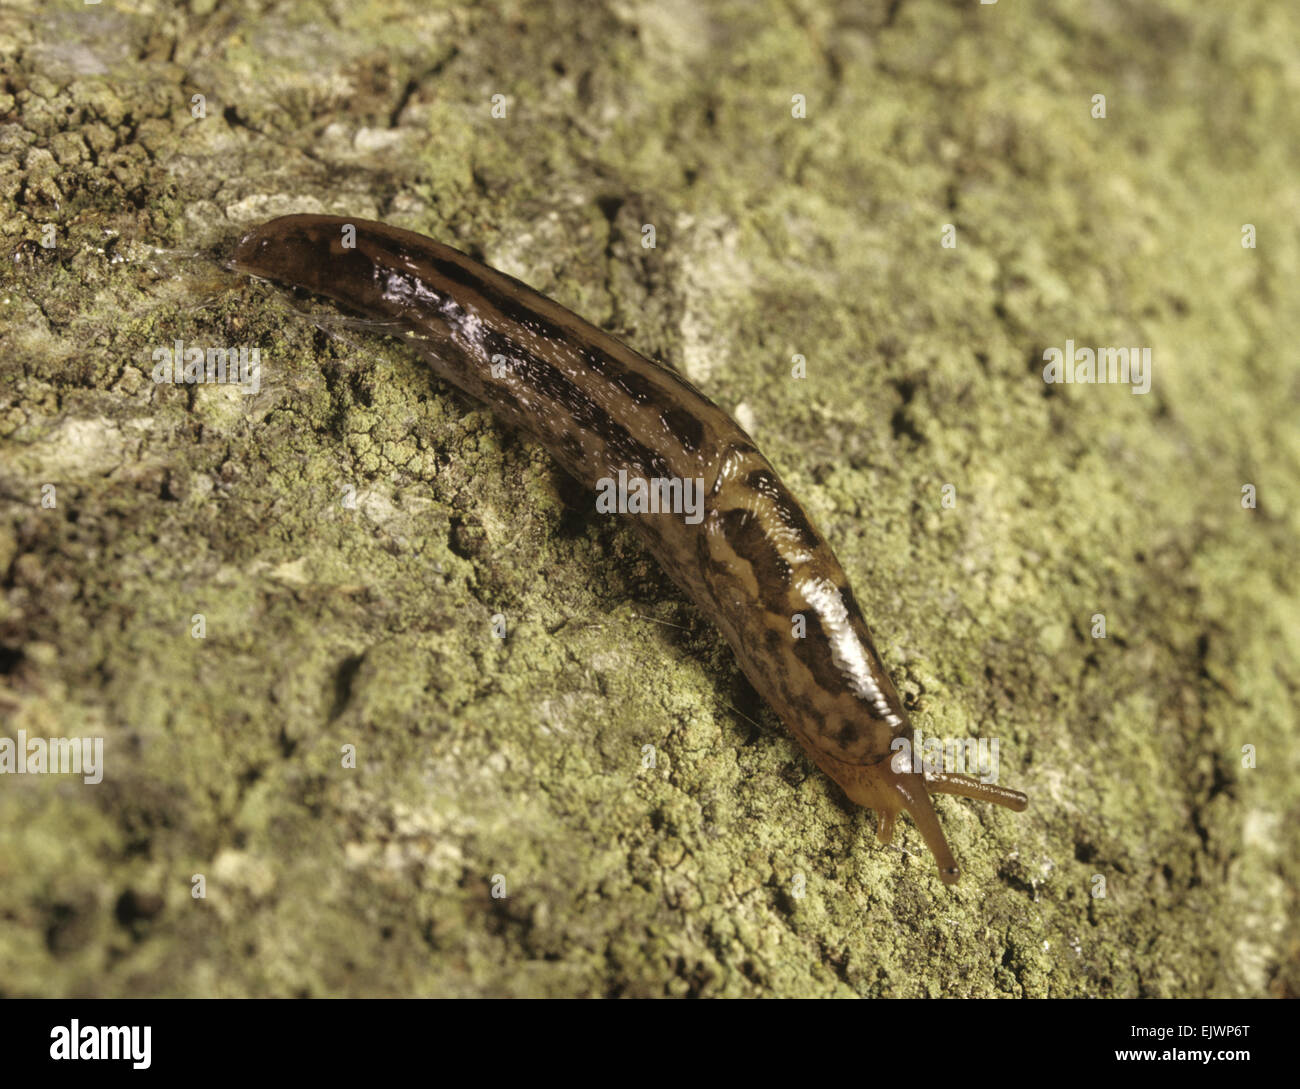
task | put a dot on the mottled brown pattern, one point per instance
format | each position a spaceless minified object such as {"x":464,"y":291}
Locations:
{"x":755,"y":564}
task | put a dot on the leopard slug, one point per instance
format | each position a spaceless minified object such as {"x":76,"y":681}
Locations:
{"x":751,"y":561}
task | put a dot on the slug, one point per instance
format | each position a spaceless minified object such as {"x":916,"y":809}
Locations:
{"x":751,"y":560}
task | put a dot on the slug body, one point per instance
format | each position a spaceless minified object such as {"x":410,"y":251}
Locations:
{"x":750,"y":563}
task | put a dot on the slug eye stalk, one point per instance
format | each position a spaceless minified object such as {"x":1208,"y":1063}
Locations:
{"x":940,"y":782}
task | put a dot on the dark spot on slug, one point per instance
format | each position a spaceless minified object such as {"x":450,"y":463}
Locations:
{"x":744,"y":533}
{"x":639,"y":388}
{"x":686,"y":426}
{"x":847,"y":735}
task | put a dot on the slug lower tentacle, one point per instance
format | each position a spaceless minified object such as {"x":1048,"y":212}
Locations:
{"x":751,"y":560}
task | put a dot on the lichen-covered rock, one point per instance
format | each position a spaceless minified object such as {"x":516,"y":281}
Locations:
{"x":325,"y":773}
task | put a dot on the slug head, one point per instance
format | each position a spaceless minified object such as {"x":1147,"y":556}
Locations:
{"x":892,"y":786}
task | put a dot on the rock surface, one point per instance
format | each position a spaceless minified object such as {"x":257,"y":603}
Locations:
{"x":342,"y":539}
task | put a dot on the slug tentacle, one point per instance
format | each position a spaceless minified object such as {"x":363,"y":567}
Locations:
{"x":910,"y":789}
{"x":746,"y":553}
{"x":967,"y":787}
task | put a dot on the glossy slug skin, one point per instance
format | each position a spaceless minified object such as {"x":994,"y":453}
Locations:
{"x":754,"y":560}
